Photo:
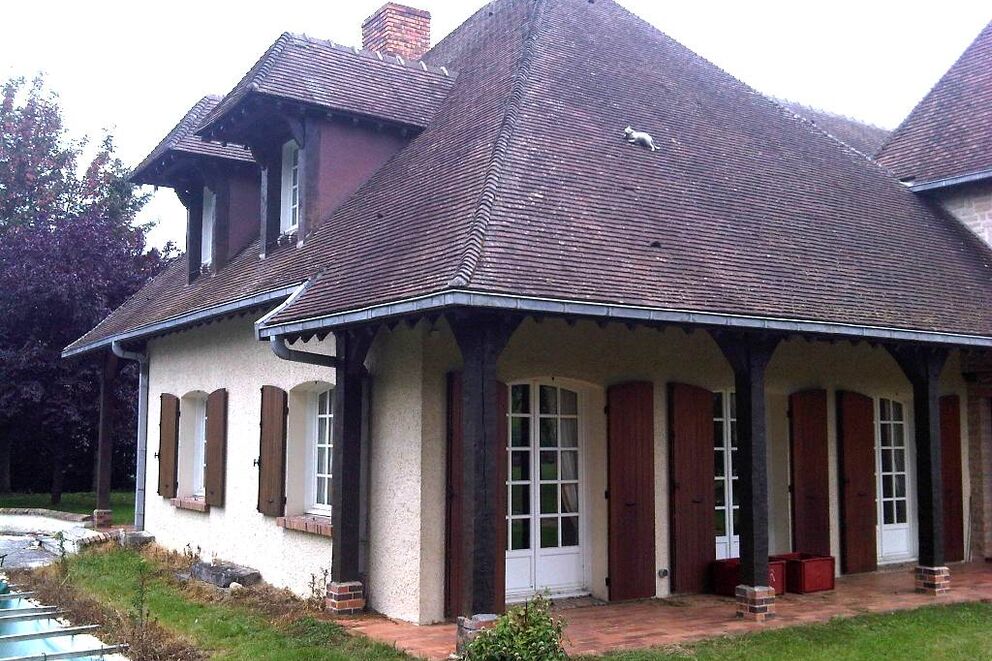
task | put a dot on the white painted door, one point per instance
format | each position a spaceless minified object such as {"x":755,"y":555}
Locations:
{"x":728,"y":541}
{"x":892,"y":467}
{"x":544,"y":545}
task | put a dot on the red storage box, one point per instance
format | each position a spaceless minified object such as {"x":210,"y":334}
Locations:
{"x":807,"y":572}
{"x":726,"y":575}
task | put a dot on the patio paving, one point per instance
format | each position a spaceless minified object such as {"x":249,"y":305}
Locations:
{"x":597,"y":629}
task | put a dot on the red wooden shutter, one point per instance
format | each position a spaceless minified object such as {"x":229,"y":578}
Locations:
{"x":453,"y":513}
{"x":216,"y":450}
{"x":690,"y":416}
{"x":168,"y":446}
{"x":810,"y":485}
{"x":630,"y":462}
{"x":856,"y":431}
{"x":950,"y":467}
{"x":272,"y":453}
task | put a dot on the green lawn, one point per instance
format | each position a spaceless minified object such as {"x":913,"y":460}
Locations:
{"x":223,"y":629}
{"x":248,"y":628}
{"x":959,"y":631}
{"x":122,"y":502}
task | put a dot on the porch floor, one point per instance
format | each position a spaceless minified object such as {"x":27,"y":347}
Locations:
{"x":596,"y":629}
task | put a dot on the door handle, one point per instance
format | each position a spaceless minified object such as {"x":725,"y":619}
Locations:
{"x":697,"y":501}
{"x":630,"y":504}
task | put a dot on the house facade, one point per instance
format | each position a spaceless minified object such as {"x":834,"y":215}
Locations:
{"x":444,"y":339}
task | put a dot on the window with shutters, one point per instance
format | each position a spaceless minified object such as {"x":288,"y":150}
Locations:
{"x":309,"y":449}
{"x":192,"y":444}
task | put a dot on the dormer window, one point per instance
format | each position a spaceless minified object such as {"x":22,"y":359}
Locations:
{"x":289,"y":217}
{"x":207,"y":227}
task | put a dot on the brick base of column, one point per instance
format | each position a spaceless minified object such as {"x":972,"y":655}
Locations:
{"x":755,"y":603}
{"x":103,"y":518}
{"x":345,"y":598}
{"x":933,"y":580}
{"x":469,"y":628}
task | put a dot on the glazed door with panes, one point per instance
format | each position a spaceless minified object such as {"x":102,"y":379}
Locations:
{"x":895,"y":538}
{"x":728,"y":543}
{"x":544,"y":551}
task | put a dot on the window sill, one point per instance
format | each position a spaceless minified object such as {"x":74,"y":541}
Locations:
{"x":308,"y":523}
{"x":191,"y":504}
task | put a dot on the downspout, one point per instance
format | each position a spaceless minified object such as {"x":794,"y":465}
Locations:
{"x":142,"y":433}
{"x":279,"y":348}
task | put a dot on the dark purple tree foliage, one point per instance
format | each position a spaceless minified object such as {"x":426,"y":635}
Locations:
{"x":70,"y":252}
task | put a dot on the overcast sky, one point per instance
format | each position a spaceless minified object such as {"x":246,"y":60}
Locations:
{"x":136,"y":67}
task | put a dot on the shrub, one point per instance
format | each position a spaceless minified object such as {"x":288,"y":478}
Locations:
{"x":528,"y":632}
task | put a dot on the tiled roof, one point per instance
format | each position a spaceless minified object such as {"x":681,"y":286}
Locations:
{"x":866,"y":138}
{"x":319,"y":72}
{"x":949,"y":133}
{"x":522,"y":184}
{"x":182,"y":138}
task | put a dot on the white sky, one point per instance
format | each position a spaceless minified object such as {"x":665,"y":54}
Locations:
{"x":136,"y":67}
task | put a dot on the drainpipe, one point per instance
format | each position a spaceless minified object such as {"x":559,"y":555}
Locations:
{"x":279,"y":348}
{"x":142,"y":435}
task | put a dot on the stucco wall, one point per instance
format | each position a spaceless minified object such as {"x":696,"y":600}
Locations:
{"x":226,"y":355}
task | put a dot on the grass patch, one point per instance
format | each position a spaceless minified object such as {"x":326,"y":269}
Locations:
{"x":121,"y":502}
{"x":957,"y":631}
{"x":253,"y":623}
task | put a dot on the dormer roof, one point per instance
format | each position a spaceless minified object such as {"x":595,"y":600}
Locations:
{"x":182,"y":140}
{"x":947,"y":138}
{"x":320,"y":73}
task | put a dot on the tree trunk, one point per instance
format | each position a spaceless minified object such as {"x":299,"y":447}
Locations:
{"x":5,"y":486}
{"x":58,"y":475}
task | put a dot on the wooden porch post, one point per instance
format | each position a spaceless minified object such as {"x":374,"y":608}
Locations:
{"x":748,"y":355}
{"x":102,"y":515}
{"x":481,"y":337}
{"x":922,"y":366}
{"x":345,"y":592}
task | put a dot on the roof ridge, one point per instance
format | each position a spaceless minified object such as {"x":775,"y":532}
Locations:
{"x":830,"y":113}
{"x":186,"y":125}
{"x":494,"y":170}
{"x":374,"y":55}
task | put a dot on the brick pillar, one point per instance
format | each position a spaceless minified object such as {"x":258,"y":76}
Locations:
{"x":103,"y":518}
{"x":469,"y":628}
{"x":934,"y":581}
{"x":345,"y":598}
{"x":755,"y":603}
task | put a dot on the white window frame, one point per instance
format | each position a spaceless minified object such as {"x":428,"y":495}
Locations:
{"x":289,"y":212}
{"x":199,"y":448}
{"x":728,"y":544}
{"x":207,"y":221}
{"x":888,"y":533}
{"x":320,"y":437}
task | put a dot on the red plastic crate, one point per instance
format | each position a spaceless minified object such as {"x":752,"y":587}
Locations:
{"x":726,"y":576}
{"x":808,"y":572}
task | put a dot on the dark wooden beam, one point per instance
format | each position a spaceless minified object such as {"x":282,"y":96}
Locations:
{"x":105,"y":441}
{"x":481,"y":337}
{"x":194,"y":234}
{"x":922,"y":365}
{"x":748,"y":355}
{"x":346,"y":488}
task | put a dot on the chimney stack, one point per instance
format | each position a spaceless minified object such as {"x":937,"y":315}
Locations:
{"x":398,"y":30}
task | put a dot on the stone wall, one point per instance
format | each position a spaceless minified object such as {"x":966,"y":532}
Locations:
{"x":972,"y":205}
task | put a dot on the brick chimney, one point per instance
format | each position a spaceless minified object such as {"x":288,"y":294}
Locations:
{"x":398,"y":30}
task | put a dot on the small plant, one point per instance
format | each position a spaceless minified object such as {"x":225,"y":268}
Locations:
{"x":139,"y":603}
{"x":318,"y":589}
{"x":191,"y":556}
{"x":528,"y":632}
{"x":63,"y":554}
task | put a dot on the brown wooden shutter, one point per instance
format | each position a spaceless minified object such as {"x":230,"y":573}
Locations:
{"x":630,"y":467}
{"x":809,"y":466}
{"x":858,"y":510}
{"x":216,"y":450}
{"x":272,"y":452}
{"x":693,"y":514}
{"x":950,"y":467}
{"x":453,"y":513}
{"x":168,"y":446}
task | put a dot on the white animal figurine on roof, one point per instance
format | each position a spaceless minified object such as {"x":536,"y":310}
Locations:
{"x":640,"y":138}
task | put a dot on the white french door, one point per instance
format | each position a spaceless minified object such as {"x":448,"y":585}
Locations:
{"x":728,"y":541}
{"x":544,"y":529}
{"x":892,"y":468}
